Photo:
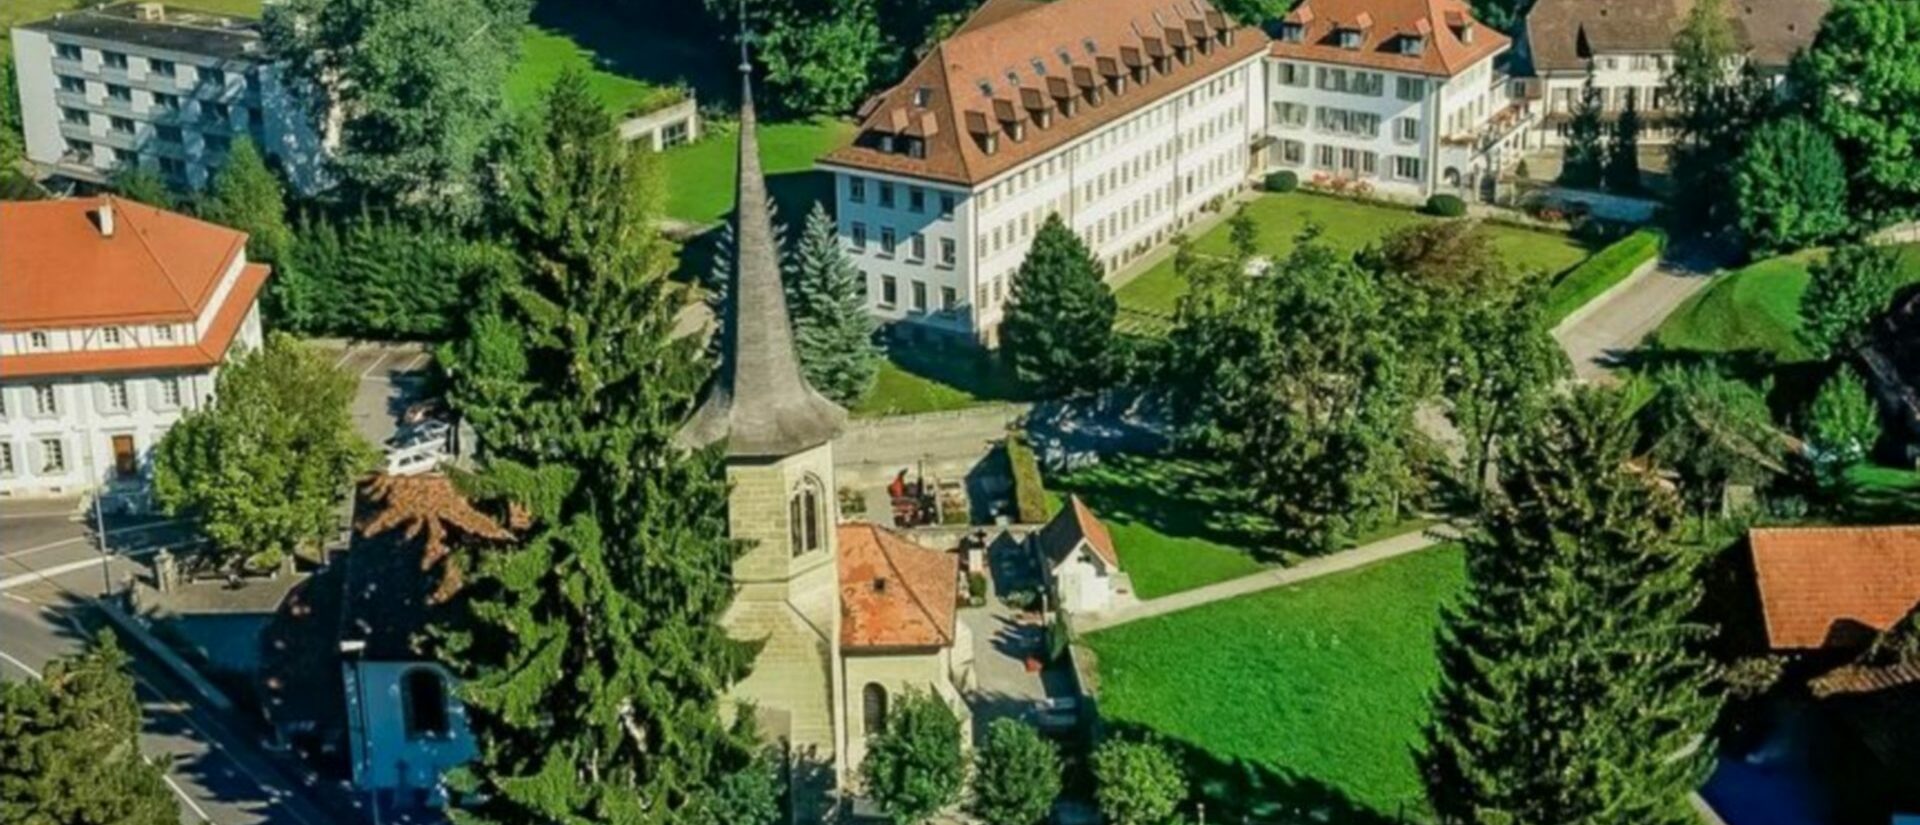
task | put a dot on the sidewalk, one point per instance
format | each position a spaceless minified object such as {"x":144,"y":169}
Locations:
{"x":1387,"y":548}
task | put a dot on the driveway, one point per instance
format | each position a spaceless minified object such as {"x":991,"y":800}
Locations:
{"x":1620,"y":322}
{"x":1003,"y":638}
{"x":390,"y":377}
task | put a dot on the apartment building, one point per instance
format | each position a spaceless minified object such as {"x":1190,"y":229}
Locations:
{"x":163,"y":88}
{"x":1627,"y":47}
{"x":117,"y":318}
{"x":1401,"y":95}
{"x":1125,"y":117}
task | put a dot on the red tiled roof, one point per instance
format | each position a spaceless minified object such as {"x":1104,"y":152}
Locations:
{"x":1834,"y":586}
{"x":1382,"y":23}
{"x":210,"y":350}
{"x":60,"y":271}
{"x":1010,"y":36}
{"x":894,"y":593}
{"x":1072,"y":525}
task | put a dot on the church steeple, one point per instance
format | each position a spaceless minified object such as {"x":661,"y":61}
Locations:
{"x":758,"y":401}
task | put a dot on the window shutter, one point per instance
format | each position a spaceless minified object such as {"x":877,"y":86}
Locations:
{"x":36,"y":458}
{"x":101,"y":401}
{"x":155,"y":400}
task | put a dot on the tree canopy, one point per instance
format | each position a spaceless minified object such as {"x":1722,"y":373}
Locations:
{"x":1058,"y":328}
{"x":1867,"y":94}
{"x":1016,"y":775}
{"x":1137,"y":782}
{"x":914,"y":767}
{"x":1845,"y":291}
{"x":832,"y":328}
{"x":1790,"y":186}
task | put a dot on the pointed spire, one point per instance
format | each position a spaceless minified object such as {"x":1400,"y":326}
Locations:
{"x":758,"y":401}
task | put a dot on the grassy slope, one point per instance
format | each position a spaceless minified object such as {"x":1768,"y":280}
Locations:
{"x":1309,"y":696}
{"x":1347,"y":225}
{"x":700,"y":175}
{"x":917,"y":382}
{"x":546,"y":53}
{"x":1754,"y":309}
{"x":1175,"y":523}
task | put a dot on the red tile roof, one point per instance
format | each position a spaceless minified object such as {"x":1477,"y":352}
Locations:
{"x":60,"y":271}
{"x":894,"y":594}
{"x":1072,"y":525}
{"x":210,"y":350}
{"x":1834,"y":586}
{"x":1011,"y":36}
{"x":1382,"y":24}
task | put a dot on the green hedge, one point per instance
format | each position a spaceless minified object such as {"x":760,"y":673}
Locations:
{"x":1446,"y":206}
{"x":370,"y":277}
{"x":1282,"y":181}
{"x":1029,"y":493}
{"x":1599,"y":273}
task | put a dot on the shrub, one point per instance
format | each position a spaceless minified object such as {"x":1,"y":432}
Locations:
{"x":1600,"y":272}
{"x":1138,"y":782}
{"x":1029,"y":493}
{"x":1282,"y":181}
{"x":977,"y":589}
{"x":1446,"y":206}
{"x":1521,"y":171}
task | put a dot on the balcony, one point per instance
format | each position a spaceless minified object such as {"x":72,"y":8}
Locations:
{"x":1503,"y":124}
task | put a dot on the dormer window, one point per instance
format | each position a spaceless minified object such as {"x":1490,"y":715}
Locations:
{"x":990,"y":144}
{"x":1413,"y":44}
{"x":1013,"y":79}
{"x":986,"y":89}
{"x":1018,"y":130}
{"x":1465,"y":33}
{"x":1140,"y":74}
{"x":1043,"y":118}
{"x":1349,"y":38}
{"x":886,"y":144}
{"x":1039,"y":67}
{"x":922,"y":96}
{"x":1069,"y":106}
{"x":1087,"y":43}
{"x":1293,"y":32}
{"x":916,"y":148}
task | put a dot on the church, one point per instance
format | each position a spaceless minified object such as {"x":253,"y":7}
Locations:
{"x":850,"y":615}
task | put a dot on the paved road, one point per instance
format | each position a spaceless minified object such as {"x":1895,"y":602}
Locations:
{"x":949,"y":443}
{"x":52,"y":570}
{"x":1595,"y":342}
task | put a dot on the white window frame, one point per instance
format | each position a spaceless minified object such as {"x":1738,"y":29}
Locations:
{"x":53,"y":456}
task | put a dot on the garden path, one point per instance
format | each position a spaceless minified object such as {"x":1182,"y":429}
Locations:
{"x":1620,"y":320}
{"x":1387,"y":548}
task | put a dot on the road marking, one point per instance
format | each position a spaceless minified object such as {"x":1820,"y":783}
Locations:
{"x":63,"y":569}
{"x":19,"y":664}
{"x":344,"y":355}
{"x":375,"y":365}
{"x":197,"y":810}
{"x":21,"y":599}
{"x":69,"y":514}
{"x":154,"y":525}
{"x":417,"y":362}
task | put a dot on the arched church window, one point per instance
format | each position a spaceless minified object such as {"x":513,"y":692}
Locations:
{"x":423,"y":698}
{"x":873,"y":707}
{"x":806,"y":516}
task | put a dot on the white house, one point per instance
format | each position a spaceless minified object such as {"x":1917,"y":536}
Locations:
{"x":1627,"y":47}
{"x":1083,"y":570}
{"x":114,"y":320}
{"x":1125,"y":117}
{"x":1402,"y":96}
{"x":164,"y":88}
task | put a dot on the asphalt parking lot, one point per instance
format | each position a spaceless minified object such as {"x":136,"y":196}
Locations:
{"x":391,"y":378}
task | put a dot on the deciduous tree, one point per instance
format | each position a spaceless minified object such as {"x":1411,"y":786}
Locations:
{"x":1058,"y":327}
{"x":1845,"y":291}
{"x":1719,"y":104}
{"x":831,"y":325}
{"x":70,"y":747}
{"x":246,"y":196}
{"x":1791,"y":186}
{"x":1842,"y":425}
{"x":143,"y":185}
{"x":1137,"y":782}
{"x":265,"y":465}
{"x":1713,"y":431}
{"x":591,"y":653}
{"x":1572,"y":689}
{"x":822,"y":56}
{"x":1016,"y":775}
{"x":415,"y":86}
{"x":1506,"y":366}
{"x":1866,"y":92}
{"x":914,"y":767}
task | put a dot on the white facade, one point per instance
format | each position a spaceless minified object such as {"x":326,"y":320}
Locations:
{"x":90,"y":106}
{"x":943,"y":255}
{"x":1082,"y":581}
{"x":406,"y":727}
{"x":1617,"y":78}
{"x":64,"y":434}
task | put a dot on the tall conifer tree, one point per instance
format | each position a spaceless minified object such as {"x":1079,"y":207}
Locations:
{"x":1585,"y":155}
{"x":1573,"y":689}
{"x":831,"y":325}
{"x":592,"y":654}
{"x":69,"y":747}
{"x":1059,"y":326}
{"x":1623,"y":150}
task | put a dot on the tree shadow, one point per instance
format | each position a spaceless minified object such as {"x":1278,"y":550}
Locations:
{"x":1794,"y":382}
{"x":672,"y":46}
{"x":1177,"y":497}
{"x":980,"y":373}
{"x":1245,"y":791}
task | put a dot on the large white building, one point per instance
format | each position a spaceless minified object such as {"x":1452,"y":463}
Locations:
{"x":115,"y":319}
{"x":164,"y":88}
{"x":1129,"y":118}
{"x":1627,"y":48}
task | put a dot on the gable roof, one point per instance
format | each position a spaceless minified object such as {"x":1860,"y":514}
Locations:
{"x":1053,"y":51}
{"x":60,"y":271}
{"x":894,"y":593}
{"x":1823,"y":587}
{"x":208,"y":350}
{"x":1072,"y":525}
{"x":1382,"y":24}
{"x":1561,"y":33}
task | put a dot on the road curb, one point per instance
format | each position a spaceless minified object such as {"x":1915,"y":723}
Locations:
{"x":1594,"y":304}
{"x":133,"y":629}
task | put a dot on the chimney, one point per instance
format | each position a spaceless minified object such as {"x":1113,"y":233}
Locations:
{"x":150,"y":12}
{"x":103,"y":218}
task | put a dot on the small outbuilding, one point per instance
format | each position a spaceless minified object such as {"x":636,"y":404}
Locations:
{"x":1075,"y":550}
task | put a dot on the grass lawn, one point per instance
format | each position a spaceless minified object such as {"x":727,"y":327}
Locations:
{"x":700,"y":175}
{"x":545,"y":53}
{"x":1755,"y":310}
{"x":931,"y":381}
{"x":1175,"y":522}
{"x":1347,"y":225}
{"x":1301,"y":704}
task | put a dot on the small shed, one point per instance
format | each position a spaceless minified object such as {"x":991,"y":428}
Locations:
{"x":1077,"y":553}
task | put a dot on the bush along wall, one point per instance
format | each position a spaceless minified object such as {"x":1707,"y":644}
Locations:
{"x":371,"y":277}
{"x":1029,"y":492}
{"x":1601,"y":272}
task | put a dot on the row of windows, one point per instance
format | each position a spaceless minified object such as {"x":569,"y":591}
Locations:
{"x":44,"y":400}
{"x":50,"y":461}
{"x":119,"y":61}
{"x":889,"y":244}
{"x":887,"y":294}
{"x":39,"y":340}
{"x":1614,"y":98}
{"x":1356,"y":162}
{"x":916,"y":196}
{"x":1349,"y":81}
{"x":211,"y":112}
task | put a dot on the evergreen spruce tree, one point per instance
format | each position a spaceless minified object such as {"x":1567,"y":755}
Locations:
{"x":1059,"y":326}
{"x":831,"y":325}
{"x":1573,"y":691}
{"x":591,"y":654}
{"x":70,"y":751}
{"x":1584,"y":156}
{"x":246,"y":196}
{"x":1623,"y":153}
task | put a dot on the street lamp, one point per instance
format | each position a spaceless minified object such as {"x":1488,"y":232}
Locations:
{"x":100,"y":520}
